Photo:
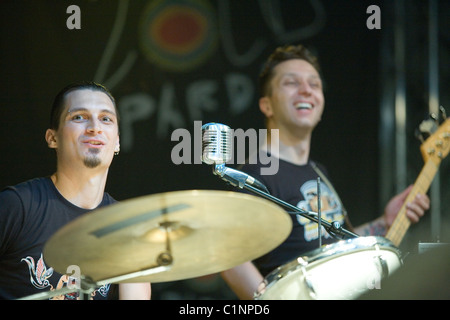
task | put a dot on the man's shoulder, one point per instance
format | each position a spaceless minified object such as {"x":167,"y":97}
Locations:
{"x":27,"y":187}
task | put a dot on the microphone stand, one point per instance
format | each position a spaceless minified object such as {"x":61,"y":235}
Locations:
{"x":334,"y":228}
{"x":319,"y":212}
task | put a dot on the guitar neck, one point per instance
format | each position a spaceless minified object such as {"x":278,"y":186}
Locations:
{"x":401,"y":223}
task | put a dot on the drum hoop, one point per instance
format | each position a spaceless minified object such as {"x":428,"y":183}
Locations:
{"x":335,"y":249}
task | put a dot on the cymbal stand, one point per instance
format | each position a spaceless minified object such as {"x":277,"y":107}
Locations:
{"x":51,"y":294}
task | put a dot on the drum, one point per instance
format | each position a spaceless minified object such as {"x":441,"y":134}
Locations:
{"x":340,"y":271}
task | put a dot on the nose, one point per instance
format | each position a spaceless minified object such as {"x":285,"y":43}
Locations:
{"x":94,"y":126}
{"x":304,"y":88}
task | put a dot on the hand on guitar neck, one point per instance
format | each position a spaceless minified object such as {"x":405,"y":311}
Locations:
{"x":408,"y":206}
{"x":415,"y":206}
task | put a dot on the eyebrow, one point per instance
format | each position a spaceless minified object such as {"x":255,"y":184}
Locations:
{"x":292,"y":74}
{"x":84,"y":109}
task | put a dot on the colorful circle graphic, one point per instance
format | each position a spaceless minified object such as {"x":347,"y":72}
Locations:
{"x":178,"y":35}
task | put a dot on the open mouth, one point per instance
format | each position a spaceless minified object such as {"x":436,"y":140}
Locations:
{"x":303,"y":106}
{"x":94,"y":142}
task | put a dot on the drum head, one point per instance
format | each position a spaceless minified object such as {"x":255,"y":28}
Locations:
{"x":343,"y":270}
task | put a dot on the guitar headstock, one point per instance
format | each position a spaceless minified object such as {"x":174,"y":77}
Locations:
{"x":437,"y":146}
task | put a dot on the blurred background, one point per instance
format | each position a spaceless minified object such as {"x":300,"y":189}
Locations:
{"x":170,"y":63}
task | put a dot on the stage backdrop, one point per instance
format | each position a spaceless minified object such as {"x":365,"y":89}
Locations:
{"x":176,"y":63}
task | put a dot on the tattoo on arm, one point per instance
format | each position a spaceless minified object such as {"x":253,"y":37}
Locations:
{"x":373,"y":228}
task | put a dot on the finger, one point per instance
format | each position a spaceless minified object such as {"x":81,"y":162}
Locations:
{"x":412,"y":216}
{"x":422,"y":200}
{"x":414,"y":212}
{"x":404,"y":194}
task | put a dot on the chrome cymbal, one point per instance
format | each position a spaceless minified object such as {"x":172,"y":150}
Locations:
{"x":196,"y":232}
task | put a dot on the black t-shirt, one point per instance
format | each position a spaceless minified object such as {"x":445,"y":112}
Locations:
{"x":30,"y":213}
{"x":297,"y":185}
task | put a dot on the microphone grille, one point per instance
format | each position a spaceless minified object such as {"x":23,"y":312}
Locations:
{"x":217,"y":141}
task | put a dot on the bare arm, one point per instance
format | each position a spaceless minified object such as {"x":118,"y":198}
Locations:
{"x":243,"y":280}
{"x":135,"y":291}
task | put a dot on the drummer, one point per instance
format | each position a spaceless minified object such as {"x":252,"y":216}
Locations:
{"x":292,"y":101}
{"x":84,"y":131}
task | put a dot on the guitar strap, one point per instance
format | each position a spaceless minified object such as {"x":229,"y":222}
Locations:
{"x":330,"y":185}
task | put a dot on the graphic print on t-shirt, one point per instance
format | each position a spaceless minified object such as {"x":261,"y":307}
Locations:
{"x":39,"y":274}
{"x":40,"y":278}
{"x":330,"y":208}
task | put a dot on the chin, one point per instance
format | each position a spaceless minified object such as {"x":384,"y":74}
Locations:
{"x":92,"y":162}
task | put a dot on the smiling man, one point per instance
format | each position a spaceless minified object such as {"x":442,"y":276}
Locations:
{"x":84,"y":131}
{"x":292,"y":101}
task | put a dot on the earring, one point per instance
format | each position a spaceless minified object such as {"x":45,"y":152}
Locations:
{"x":116,"y":152}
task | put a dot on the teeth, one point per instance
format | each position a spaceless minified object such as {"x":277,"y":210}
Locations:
{"x":303,"y":105}
{"x":94,"y":142}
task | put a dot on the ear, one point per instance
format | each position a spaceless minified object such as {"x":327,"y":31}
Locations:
{"x":265,"y":107}
{"x":50,"y":137}
{"x":117,"y":147}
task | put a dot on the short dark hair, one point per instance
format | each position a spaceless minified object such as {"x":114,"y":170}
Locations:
{"x":58,"y":102}
{"x":280,"y":55}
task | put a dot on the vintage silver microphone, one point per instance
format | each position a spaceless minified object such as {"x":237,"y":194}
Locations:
{"x":217,"y":143}
{"x":217,"y":149}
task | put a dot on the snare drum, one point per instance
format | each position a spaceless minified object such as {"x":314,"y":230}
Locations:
{"x":343,"y":270}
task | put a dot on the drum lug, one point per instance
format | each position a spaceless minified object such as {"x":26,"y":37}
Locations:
{"x":384,"y":272}
{"x":308,"y":283}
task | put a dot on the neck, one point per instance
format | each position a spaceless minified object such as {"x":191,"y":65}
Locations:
{"x":289,"y":147}
{"x":84,"y":190}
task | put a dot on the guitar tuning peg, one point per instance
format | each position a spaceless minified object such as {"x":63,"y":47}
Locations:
{"x":428,"y":126}
{"x":419,"y":135}
{"x":443,"y":114}
{"x":434,"y":117}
